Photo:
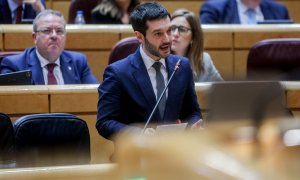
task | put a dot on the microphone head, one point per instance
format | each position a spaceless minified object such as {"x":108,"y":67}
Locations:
{"x":177,"y":64}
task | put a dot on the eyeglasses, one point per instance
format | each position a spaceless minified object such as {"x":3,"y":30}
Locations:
{"x":58,"y":31}
{"x":181,"y":29}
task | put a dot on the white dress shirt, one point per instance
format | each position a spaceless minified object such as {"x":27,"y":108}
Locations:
{"x":242,"y":9}
{"x":148,"y":61}
{"x":57,"y":70}
{"x":13,"y":8}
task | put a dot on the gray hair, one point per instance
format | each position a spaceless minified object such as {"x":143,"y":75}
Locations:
{"x":46,"y":13}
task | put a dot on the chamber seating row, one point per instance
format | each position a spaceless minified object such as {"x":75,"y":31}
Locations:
{"x":227,"y":44}
{"x":193,"y":5}
{"x":81,"y":100}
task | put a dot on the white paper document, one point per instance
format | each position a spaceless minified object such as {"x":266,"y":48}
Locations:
{"x":171,"y":127}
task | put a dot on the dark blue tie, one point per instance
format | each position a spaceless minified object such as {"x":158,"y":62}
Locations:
{"x":160,"y":85}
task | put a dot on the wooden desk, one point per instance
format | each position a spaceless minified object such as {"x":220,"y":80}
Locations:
{"x":22,"y":100}
{"x":81,"y":100}
{"x":78,"y":172}
{"x":227,"y":44}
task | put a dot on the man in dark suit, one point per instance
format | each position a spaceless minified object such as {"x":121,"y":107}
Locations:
{"x":130,"y":87}
{"x":236,"y":11}
{"x":48,"y":61}
{"x":29,"y":9}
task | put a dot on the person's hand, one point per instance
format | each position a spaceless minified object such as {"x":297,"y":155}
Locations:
{"x":37,"y":5}
{"x":149,"y":131}
{"x":198,"y":125}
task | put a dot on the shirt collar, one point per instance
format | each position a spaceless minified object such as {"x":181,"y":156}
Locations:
{"x":44,"y":62}
{"x":148,"y":61}
{"x":13,"y":5}
{"x":244,"y":8}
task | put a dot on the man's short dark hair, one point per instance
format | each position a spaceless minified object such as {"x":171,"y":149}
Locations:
{"x":147,"y":12}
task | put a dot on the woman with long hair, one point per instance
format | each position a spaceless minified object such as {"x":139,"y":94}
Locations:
{"x":113,"y":11}
{"x":187,"y":41}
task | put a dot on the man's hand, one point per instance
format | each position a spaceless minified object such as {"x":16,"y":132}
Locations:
{"x":150,"y":131}
{"x":198,"y":125}
{"x":37,"y":5}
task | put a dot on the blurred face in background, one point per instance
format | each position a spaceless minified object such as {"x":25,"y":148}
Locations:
{"x":123,"y":4}
{"x":251,"y":3}
{"x":18,"y":1}
{"x":50,"y":37}
{"x":181,"y":35}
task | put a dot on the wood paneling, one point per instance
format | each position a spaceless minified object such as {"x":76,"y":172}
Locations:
{"x":81,"y":100}
{"x":97,"y":61}
{"x":240,"y":64}
{"x":217,"y":40}
{"x":223,"y":60}
{"x":227,"y":44}
{"x":24,"y":100}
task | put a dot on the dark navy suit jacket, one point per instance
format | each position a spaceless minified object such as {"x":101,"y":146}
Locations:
{"x":74,"y":67}
{"x":126,"y":96}
{"x":5,"y":14}
{"x":226,"y":12}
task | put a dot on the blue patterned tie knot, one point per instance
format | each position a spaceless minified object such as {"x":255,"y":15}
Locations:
{"x":251,"y":14}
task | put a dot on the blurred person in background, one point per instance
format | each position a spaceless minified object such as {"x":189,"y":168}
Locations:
{"x":187,"y":41}
{"x":113,"y":11}
{"x":14,"y":11}
{"x":241,"y":11}
{"x":48,"y":61}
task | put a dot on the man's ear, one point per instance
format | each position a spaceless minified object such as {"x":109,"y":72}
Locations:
{"x":139,"y":36}
{"x":33,"y":35}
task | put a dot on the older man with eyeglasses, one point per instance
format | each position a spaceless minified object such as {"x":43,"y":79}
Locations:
{"x":48,"y":61}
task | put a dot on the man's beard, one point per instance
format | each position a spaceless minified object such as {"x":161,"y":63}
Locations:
{"x":153,"y":50}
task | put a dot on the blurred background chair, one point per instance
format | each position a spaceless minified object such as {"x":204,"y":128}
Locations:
{"x":274,"y":59}
{"x":123,"y":48}
{"x":253,"y":101}
{"x":84,"y":5}
{"x":7,"y":142}
{"x":51,"y":139}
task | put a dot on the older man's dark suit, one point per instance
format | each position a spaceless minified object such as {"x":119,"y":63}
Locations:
{"x":5,"y":14}
{"x":126,"y":95}
{"x":74,"y":67}
{"x":226,"y":12}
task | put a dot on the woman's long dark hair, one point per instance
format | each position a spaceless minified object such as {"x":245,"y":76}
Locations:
{"x":195,"y":49}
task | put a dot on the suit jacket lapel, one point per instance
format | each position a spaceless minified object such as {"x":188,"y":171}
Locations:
{"x":233,"y":14}
{"x":67,"y":69}
{"x":265,"y":10}
{"x":4,"y":7}
{"x":171,"y":88}
{"x":36,"y":69}
{"x":142,"y":78}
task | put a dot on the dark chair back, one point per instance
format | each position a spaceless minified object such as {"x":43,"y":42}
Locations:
{"x":123,"y":48}
{"x":274,"y":59}
{"x":84,"y":5}
{"x":51,"y":139}
{"x":7,"y":142}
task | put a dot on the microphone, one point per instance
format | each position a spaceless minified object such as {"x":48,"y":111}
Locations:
{"x":162,"y":94}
